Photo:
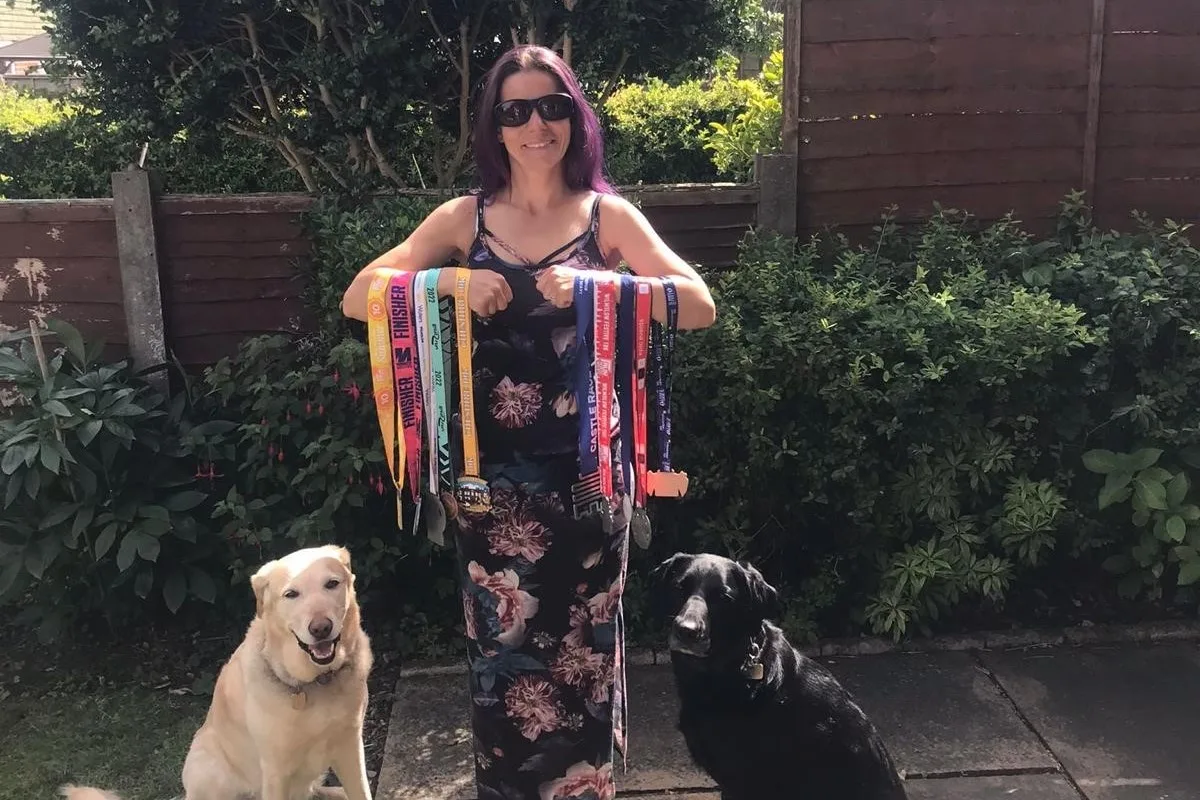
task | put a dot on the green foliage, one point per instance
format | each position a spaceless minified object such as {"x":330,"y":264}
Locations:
{"x":97,"y":485}
{"x":347,"y":235}
{"x":359,"y":95}
{"x":21,"y":113}
{"x":655,"y":131}
{"x":756,"y":129}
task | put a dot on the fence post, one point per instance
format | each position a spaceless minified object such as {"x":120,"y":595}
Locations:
{"x":775,"y":174}
{"x":137,"y":250}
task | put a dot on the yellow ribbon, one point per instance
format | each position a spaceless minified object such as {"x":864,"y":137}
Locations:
{"x":383,"y":380}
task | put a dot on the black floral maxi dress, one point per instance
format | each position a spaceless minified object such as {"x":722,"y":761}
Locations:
{"x":541,"y":590}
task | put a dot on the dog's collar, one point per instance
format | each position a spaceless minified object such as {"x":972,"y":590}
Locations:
{"x":299,"y":691}
{"x":752,"y":667}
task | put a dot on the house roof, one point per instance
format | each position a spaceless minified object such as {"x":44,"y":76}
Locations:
{"x":35,"y":48}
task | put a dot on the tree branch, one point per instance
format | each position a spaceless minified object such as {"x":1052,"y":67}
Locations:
{"x":385,"y":167}
{"x":441,"y":37}
{"x":612,"y":79}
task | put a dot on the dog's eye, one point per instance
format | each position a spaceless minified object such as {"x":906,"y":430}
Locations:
{"x":332,"y":583}
{"x":291,"y":594}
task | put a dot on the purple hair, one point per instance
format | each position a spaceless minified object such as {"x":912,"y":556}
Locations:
{"x":583,"y":164}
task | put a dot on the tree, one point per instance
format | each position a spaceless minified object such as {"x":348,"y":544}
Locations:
{"x":359,"y":93}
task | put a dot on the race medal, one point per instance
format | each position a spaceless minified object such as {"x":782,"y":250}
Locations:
{"x":471,"y":490}
{"x":664,"y":482}
{"x":382,"y":380}
{"x":639,"y":527}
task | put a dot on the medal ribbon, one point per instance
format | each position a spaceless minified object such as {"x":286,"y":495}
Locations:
{"x":408,"y":392}
{"x":626,"y":331}
{"x":473,"y":491}
{"x":605,"y":350}
{"x":662,"y":344}
{"x":585,"y":397}
{"x":641,"y":340}
{"x":440,"y":467}
{"x":382,"y":382}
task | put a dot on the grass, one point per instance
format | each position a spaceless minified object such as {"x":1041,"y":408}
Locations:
{"x":129,"y":739}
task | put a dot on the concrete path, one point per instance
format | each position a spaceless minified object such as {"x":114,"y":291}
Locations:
{"x":1054,"y":723}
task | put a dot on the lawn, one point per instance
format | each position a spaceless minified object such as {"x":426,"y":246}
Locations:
{"x":128,"y":739}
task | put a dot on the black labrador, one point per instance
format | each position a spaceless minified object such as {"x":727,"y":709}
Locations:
{"x":763,"y":720}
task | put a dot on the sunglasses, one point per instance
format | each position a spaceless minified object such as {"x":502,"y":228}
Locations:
{"x":551,"y":108}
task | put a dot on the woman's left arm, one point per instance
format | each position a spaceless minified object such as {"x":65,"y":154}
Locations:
{"x":626,"y":235}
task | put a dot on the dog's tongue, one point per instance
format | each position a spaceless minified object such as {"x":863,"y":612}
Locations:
{"x":322,"y":649}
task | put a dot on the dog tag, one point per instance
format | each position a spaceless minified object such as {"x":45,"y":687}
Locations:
{"x":754,"y":672}
{"x":639,"y":527}
{"x":299,"y":700}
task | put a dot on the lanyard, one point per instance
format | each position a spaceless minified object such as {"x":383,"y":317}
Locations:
{"x":472,"y":490}
{"x":383,"y":386}
{"x":605,"y":351}
{"x":642,"y":343}
{"x":664,"y":481}
{"x":404,"y":367}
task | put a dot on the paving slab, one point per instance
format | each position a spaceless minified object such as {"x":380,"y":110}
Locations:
{"x":1122,"y":719}
{"x":940,"y":713}
{"x":428,"y":754}
{"x":1008,"y":787}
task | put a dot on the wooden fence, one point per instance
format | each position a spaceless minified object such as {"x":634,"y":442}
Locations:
{"x":992,"y":107}
{"x":225,"y":268}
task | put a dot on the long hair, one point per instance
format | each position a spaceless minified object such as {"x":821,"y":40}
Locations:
{"x":583,"y":164}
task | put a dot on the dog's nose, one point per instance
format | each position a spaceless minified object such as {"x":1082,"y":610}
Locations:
{"x":320,"y":628}
{"x":691,"y":628}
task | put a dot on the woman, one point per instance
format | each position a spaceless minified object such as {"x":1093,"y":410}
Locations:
{"x":541,"y":588}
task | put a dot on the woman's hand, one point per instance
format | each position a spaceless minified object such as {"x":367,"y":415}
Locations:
{"x":488,"y":294}
{"x":557,"y":285}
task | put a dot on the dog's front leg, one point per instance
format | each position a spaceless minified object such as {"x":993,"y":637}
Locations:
{"x":350,"y":764}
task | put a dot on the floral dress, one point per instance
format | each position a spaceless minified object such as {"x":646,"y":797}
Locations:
{"x":541,"y":590}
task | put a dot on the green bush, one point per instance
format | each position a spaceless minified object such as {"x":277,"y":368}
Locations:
{"x":655,"y":131}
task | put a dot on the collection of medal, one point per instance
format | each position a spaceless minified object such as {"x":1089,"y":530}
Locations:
{"x":620,"y":351}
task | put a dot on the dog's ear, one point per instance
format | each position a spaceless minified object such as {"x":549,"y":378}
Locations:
{"x":340,"y":553}
{"x":259,"y":581}
{"x":765,"y":596}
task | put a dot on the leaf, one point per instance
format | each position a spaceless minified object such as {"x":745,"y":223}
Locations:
{"x":143,"y":583}
{"x":153,"y":512}
{"x":1190,"y":455}
{"x":57,"y":516}
{"x":1154,"y":495}
{"x":1118,"y":564}
{"x":70,"y":337}
{"x":1176,"y":528}
{"x":184,"y":501}
{"x":1177,"y":489}
{"x":1189,"y":573}
{"x":128,"y":550}
{"x":1101,"y":461}
{"x":175,"y":590}
{"x":8,"y":575}
{"x":11,"y":491}
{"x":50,"y":458}
{"x":57,"y":408}
{"x":148,"y":547}
{"x":13,"y":457}
{"x":105,"y":540}
{"x":214,"y":426}
{"x":1110,"y":495}
{"x":88,"y":431}
{"x":34,"y":564}
{"x":82,"y":520}
{"x":1144,"y":458}
{"x":202,"y":585}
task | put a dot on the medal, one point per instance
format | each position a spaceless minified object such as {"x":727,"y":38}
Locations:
{"x":471,"y":490}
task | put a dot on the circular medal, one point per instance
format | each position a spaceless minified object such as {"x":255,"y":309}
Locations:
{"x":639,"y":528}
{"x":473,"y":494}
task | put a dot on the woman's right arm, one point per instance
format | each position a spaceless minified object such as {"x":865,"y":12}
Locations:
{"x":438,"y":238}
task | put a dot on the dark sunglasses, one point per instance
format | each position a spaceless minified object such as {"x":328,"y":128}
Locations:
{"x":551,"y":108}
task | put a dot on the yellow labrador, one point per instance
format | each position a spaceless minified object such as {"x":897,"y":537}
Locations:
{"x":290,"y":702}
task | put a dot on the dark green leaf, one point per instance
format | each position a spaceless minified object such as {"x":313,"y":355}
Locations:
{"x":33,"y":483}
{"x":1177,"y":490}
{"x":184,"y":501}
{"x":58,"y":516}
{"x":175,"y":590}
{"x":12,"y":490}
{"x":202,"y":585}
{"x":214,"y":427}
{"x":1189,"y":573}
{"x":70,"y":337}
{"x":148,"y":547}
{"x":1144,"y":458}
{"x":143,"y":583}
{"x":128,"y":550}
{"x":106,"y":538}
{"x":153,"y":512}
{"x":50,"y":458}
{"x":1102,"y":461}
{"x":57,"y":408}
{"x":88,"y":431}
{"x":13,"y":457}
{"x":1176,"y":528}
{"x":9,"y":573}
{"x":82,"y":520}
{"x":1154,"y":495}
{"x":34,"y":564}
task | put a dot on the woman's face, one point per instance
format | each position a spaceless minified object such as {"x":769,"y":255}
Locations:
{"x":538,"y":144}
